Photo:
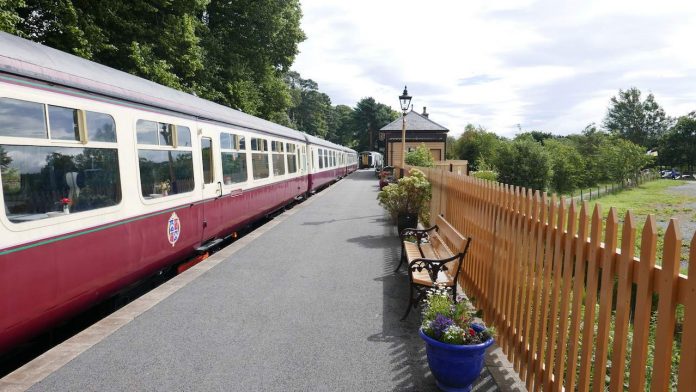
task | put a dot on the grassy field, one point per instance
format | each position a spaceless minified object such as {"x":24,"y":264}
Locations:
{"x":653,"y":197}
{"x":664,"y":199}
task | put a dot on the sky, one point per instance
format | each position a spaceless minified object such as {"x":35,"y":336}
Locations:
{"x":504,"y":64}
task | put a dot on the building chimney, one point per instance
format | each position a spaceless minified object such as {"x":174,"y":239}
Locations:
{"x":425,"y":112}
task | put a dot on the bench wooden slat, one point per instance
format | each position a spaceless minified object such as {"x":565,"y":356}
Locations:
{"x":446,"y":230}
{"x":438,"y":248}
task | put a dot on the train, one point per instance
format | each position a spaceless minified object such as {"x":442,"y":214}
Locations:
{"x":108,"y":178}
{"x":370,"y":159}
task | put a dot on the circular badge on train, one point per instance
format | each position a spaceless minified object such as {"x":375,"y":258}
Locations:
{"x":173,"y":229}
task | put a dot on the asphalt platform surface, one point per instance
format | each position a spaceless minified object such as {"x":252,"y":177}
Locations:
{"x":312,"y":304}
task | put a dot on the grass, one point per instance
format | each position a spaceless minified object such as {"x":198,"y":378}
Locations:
{"x":648,"y":198}
{"x":652,"y":198}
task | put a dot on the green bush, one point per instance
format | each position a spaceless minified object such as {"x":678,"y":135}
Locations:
{"x":411,"y":195}
{"x":421,"y":157}
{"x":489,"y":175}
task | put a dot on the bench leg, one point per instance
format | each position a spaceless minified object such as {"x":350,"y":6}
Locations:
{"x":403,"y":257}
{"x":410,"y":303}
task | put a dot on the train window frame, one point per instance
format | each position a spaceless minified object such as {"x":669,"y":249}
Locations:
{"x":292,"y":151}
{"x":161,"y":189}
{"x":259,"y":146}
{"x":237,"y":145}
{"x":278,"y":158}
{"x":81,"y":122}
{"x":54,"y":215}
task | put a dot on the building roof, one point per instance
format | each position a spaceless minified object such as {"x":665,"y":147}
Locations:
{"x":415,"y":122}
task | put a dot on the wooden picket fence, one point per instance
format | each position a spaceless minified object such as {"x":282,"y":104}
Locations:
{"x":542,"y":272}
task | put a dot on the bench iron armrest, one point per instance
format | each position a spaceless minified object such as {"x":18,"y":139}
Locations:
{"x":418,"y":233}
{"x":433,"y":266}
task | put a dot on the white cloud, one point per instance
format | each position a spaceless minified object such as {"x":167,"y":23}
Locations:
{"x":545,"y":65}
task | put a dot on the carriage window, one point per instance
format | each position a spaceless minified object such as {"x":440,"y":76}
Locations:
{"x":147,"y":132}
{"x":100,"y":127}
{"x":321,"y":158}
{"x":234,"y":166}
{"x":207,"y":157}
{"x":225,"y":141}
{"x":292,"y":157}
{"x":278,"y":158}
{"x":63,"y":123}
{"x":277,"y":146}
{"x":22,"y":119}
{"x":326,"y":158}
{"x":151,"y":132}
{"x":44,"y":182}
{"x":259,"y":158}
{"x":164,"y":131}
{"x":164,"y":173}
{"x":183,"y":136}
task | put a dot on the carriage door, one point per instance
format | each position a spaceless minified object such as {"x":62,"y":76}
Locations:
{"x":212,"y":187}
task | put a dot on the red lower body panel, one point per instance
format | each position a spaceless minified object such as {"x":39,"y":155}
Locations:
{"x":48,"y":281}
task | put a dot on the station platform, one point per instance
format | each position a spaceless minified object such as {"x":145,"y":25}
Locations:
{"x":308,"y":302}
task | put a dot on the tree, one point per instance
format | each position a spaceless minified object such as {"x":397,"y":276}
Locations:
{"x":567,"y":165}
{"x":368,"y":117}
{"x":250,"y":45}
{"x":451,"y":148}
{"x":310,"y":111}
{"x":9,"y":18}
{"x":537,"y":136}
{"x":587,"y":144}
{"x":341,"y":126}
{"x":622,"y":159}
{"x":476,"y":145}
{"x":641,"y":122}
{"x":678,"y":147}
{"x":523,"y":163}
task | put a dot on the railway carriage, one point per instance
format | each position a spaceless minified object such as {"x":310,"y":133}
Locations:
{"x":108,"y":178}
{"x":371,"y":159}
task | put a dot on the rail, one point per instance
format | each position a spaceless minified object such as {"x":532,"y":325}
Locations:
{"x":542,"y":271}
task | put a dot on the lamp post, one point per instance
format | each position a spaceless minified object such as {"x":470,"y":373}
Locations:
{"x":405,"y":101}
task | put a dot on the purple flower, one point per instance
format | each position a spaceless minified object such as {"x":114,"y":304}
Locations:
{"x":440,"y":325}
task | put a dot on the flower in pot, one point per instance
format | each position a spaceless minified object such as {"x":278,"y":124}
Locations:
{"x":454,"y":343}
{"x":407,"y":200}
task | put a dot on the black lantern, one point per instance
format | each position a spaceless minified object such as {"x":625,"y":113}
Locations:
{"x":405,"y":100}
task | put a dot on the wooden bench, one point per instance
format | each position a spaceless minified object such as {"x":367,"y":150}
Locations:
{"x":434,"y":259}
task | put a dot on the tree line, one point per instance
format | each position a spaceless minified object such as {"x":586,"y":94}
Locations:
{"x":236,"y":53}
{"x":635,"y":134}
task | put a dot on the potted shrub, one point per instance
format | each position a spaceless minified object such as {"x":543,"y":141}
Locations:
{"x":454,"y":343}
{"x":407,"y":199}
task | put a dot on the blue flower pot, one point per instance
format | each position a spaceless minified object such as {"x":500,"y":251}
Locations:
{"x":455,"y":367}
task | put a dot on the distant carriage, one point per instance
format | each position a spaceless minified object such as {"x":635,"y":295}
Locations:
{"x":371,"y":159}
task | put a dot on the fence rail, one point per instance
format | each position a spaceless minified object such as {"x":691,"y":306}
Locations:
{"x":542,"y":272}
